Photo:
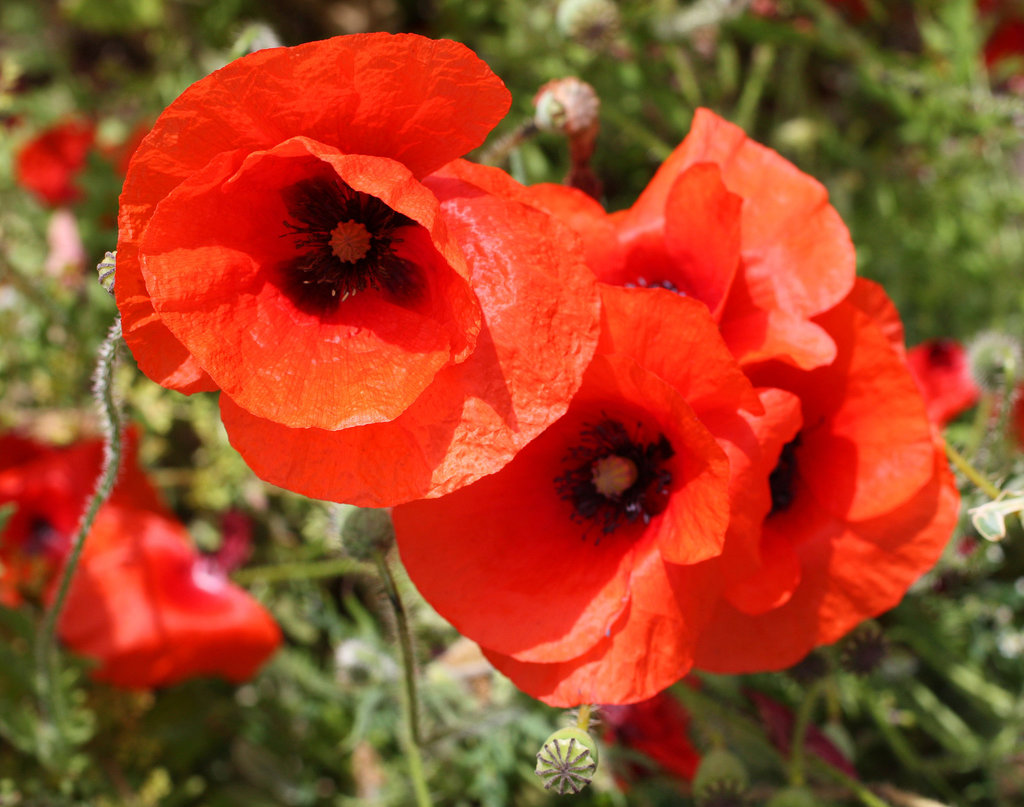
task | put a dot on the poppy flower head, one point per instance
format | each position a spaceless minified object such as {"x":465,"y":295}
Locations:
{"x":861,"y":498}
{"x":941,"y":370}
{"x":49,"y":164}
{"x":601,"y":524}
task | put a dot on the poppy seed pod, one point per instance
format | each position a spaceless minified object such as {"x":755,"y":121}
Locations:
{"x":567,"y":761}
{"x":720,"y":773}
{"x":794,"y":797}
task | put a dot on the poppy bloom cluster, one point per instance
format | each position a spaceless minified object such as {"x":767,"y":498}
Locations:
{"x":616,"y":445}
{"x":294,"y":233}
{"x":747,"y":472}
{"x":144,"y":605}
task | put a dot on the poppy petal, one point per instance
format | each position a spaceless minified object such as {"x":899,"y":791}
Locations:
{"x":797,"y":253}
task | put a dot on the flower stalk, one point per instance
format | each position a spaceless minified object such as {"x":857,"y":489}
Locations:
{"x":414,"y":739}
{"x":47,"y":652}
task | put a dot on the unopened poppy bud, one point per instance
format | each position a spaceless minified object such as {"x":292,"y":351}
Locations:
{"x":589,"y":22}
{"x":566,"y":105}
{"x":721,"y":780}
{"x":567,"y":761}
{"x":368,"y":532}
{"x":106,"y":268}
{"x":794,"y":797}
{"x":995,"y":361}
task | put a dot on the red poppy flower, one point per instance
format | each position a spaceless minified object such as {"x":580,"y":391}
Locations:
{"x":49,"y":164}
{"x":1006,"y":41}
{"x":658,"y":728}
{"x":598,"y":526}
{"x":733,"y":224}
{"x":142,"y":603}
{"x":379,"y":329}
{"x":941,"y":371}
{"x":862,"y":501}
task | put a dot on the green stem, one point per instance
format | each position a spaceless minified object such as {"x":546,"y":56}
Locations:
{"x":583,"y":717}
{"x":859,"y":789}
{"x":302,"y":570}
{"x":972,"y":473}
{"x":803,"y":723}
{"x":414,"y":739}
{"x":47,"y":652}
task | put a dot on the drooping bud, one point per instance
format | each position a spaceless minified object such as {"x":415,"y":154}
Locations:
{"x":995,"y":361}
{"x":106,"y":269}
{"x":367,"y":532}
{"x":589,"y":22}
{"x":567,"y":761}
{"x":721,"y":779}
{"x":567,"y":105}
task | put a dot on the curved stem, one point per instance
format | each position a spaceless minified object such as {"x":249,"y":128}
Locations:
{"x":800,"y":727}
{"x":414,"y":739}
{"x":972,"y":473}
{"x":47,"y":654}
{"x":301,"y":570}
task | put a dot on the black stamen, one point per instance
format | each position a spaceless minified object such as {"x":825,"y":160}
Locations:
{"x":645,"y":498}
{"x":316,"y":279}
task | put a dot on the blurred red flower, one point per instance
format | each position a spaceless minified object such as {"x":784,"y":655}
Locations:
{"x":49,"y":164}
{"x":733,"y":224}
{"x":862,"y":501}
{"x":597,"y":528}
{"x":1006,"y":40}
{"x":658,"y":728}
{"x":379,"y":329}
{"x":142,"y":603}
{"x":942,"y":374}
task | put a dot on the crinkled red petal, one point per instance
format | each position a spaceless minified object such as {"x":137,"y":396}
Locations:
{"x":220,"y":292}
{"x":796,"y":251}
{"x":675,"y":338}
{"x":418,"y":101}
{"x":648,"y":649}
{"x":849,"y":572}
{"x":541,"y":320}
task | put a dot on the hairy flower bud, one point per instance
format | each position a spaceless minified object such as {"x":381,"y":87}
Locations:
{"x":567,"y":761}
{"x":590,"y":22}
{"x":995,"y":361}
{"x":106,"y":269}
{"x":367,"y":532}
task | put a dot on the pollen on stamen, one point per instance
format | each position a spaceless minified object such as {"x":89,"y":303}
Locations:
{"x":350,"y":241}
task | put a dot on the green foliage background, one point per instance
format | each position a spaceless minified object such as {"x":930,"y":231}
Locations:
{"x":923,"y":153}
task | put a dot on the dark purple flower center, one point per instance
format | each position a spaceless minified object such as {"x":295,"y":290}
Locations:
{"x":783,"y":478}
{"x":615,"y":478}
{"x":344,"y":242}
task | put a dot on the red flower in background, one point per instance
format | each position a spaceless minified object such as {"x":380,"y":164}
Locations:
{"x":659,"y":729}
{"x":733,"y":224}
{"x":49,"y":164}
{"x":943,"y":375}
{"x":599,"y":526}
{"x":142,"y":603}
{"x":380,"y":329}
{"x":862,"y":501}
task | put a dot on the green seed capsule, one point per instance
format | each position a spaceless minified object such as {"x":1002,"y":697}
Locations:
{"x":567,"y":761}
